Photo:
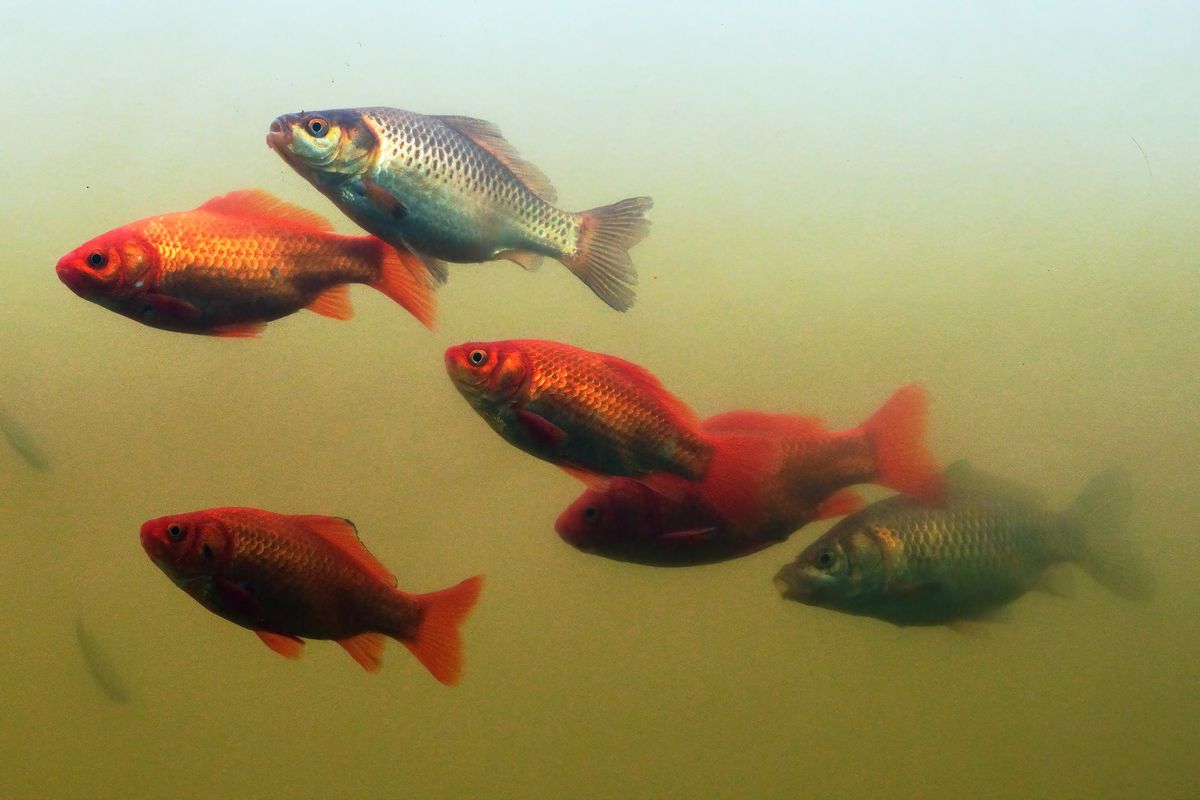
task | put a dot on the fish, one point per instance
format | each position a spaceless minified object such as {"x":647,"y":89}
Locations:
{"x":236,"y":263}
{"x":989,"y":542}
{"x":815,"y":466}
{"x":22,"y":441}
{"x":292,"y":577}
{"x":451,"y":188}
{"x":100,"y":666}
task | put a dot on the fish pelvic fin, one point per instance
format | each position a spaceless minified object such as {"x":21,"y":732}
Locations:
{"x":287,"y":646}
{"x":404,"y":278}
{"x":436,"y":642}
{"x":1100,"y":517}
{"x":897,"y":435}
{"x":601,"y":258}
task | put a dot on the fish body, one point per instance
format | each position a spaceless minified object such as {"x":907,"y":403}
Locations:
{"x":236,"y":263}
{"x":453,"y":189}
{"x":914,"y":563}
{"x":590,"y":413}
{"x":290,"y":578}
{"x":813,"y":466}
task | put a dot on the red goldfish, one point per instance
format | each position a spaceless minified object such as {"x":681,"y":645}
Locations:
{"x":813,"y":467}
{"x":287,"y":577}
{"x":236,"y":263}
{"x":599,"y":417}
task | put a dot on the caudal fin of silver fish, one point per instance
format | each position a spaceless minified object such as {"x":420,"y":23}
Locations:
{"x":22,"y":441}
{"x":601,"y":259}
{"x":1101,"y":515}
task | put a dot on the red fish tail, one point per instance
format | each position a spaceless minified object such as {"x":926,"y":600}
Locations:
{"x":601,"y":258}
{"x":403,"y":277}
{"x":436,"y":642}
{"x":897,"y":435}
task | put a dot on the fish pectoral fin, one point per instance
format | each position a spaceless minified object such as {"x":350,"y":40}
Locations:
{"x":366,"y":649}
{"x":692,"y":535}
{"x":540,"y":429}
{"x":525,"y":258}
{"x":171,"y":307}
{"x":384,"y":201}
{"x":334,"y":303}
{"x":287,"y":646}
{"x":236,"y":597}
{"x":916,"y":590}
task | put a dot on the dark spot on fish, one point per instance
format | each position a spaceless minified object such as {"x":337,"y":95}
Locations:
{"x":207,"y":551}
{"x":147,"y":312}
{"x":275,"y":273}
{"x":399,"y":211}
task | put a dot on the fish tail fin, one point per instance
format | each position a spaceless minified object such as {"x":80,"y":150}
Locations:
{"x":403,"y":277}
{"x":1100,"y":518}
{"x":897,"y":435}
{"x":436,"y":642}
{"x":601,"y":259}
{"x":739,"y":466}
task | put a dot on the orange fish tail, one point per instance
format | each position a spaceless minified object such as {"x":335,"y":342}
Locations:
{"x":897,"y":435}
{"x":403,"y":277}
{"x":601,"y":258}
{"x":436,"y":642}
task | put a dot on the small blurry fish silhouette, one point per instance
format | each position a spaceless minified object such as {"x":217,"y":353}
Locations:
{"x":22,"y":441}
{"x":100,"y":666}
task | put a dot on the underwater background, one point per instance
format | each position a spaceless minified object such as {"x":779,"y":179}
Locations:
{"x":1000,"y":201}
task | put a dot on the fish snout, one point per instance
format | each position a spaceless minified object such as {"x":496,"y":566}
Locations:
{"x":74,"y":278}
{"x":151,"y":543}
{"x":790,"y":588}
{"x":279,"y":136}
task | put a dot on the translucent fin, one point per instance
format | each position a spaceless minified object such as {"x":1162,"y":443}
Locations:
{"x":287,"y":646}
{"x":243,"y":330}
{"x":436,"y":269}
{"x":527,"y":259}
{"x":1101,"y":515}
{"x":601,"y":258}
{"x":23,"y":442}
{"x":404,"y":278}
{"x":342,"y":533}
{"x":488,"y":136}
{"x":436,"y":642}
{"x":737,"y":468}
{"x":749,"y":421}
{"x":334,"y":302}
{"x":897,"y":434}
{"x":257,"y":204}
{"x":1057,"y":580}
{"x":366,"y":649}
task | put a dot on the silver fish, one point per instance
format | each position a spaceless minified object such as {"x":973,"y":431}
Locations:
{"x":914,"y":564}
{"x":452,"y":188}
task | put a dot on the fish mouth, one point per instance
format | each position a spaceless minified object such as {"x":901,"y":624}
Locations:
{"x":279,"y":136}
{"x":74,"y":278}
{"x":792,"y":590}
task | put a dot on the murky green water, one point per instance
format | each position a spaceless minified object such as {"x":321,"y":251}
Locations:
{"x":1002,"y":204}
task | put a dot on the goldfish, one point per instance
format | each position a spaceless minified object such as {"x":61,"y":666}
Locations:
{"x":990,"y":541}
{"x":287,"y":577}
{"x":628,"y":521}
{"x":234,"y":264}
{"x":453,"y":189}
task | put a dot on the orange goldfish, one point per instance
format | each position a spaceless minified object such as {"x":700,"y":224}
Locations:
{"x":287,"y":577}
{"x":236,"y":263}
{"x":629,"y":522}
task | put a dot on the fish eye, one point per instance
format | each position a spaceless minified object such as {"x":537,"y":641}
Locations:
{"x":477,"y":357}
{"x":825,"y":559}
{"x":174,"y":531}
{"x":317,"y":127}
{"x":591,"y":514}
{"x":97,"y":260}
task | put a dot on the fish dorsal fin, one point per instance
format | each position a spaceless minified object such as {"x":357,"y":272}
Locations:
{"x":962,"y":478}
{"x":257,"y":204}
{"x":342,"y":534}
{"x":749,"y":421}
{"x":647,"y":385}
{"x":488,"y":136}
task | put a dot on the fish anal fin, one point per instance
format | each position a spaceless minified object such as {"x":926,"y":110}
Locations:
{"x":287,"y":646}
{"x":334,"y":303}
{"x":691,"y":535}
{"x":342,"y":534}
{"x":241,"y":330}
{"x":366,"y":649}
{"x":526,"y":258}
{"x":1057,"y":580}
{"x":488,"y":136}
{"x":257,"y":204}
{"x":540,"y":429}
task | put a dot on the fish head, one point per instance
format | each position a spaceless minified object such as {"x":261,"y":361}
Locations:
{"x":614,"y":522}
{"x":112,"y":269}
{"x":188,"y":547}
{"x":487,"y":373}
{"x":338,"y":142}
{"x":843,"y":569}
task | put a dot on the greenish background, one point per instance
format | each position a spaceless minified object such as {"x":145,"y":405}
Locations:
{"x":999,"y":200}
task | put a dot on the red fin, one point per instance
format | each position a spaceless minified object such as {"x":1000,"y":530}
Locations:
{"x":242,"y":330}
{"x":260,"y":205}
{"x":647,"y":384}
{"x":334,"y":302}
{"x":404,"y":278}
{"x":748,"y":421}
{"x":839,"y":504}
{"x":436,"y":642}
{"x":541,"y":429}
{"x":671,"y":486}
{"x":287,"y":646}
{"x":896,"y":431}
{"x":366,"y":649}
{"x":172,"y":307}
{"x":342,"y":534}
{"x":694,"y":535}
{"x":601,"y":258}
{"x":740,"y":463}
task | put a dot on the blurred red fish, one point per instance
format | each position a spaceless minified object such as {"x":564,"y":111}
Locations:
{"x":288,"y":577}
{"x":236,"y":263}
{"x":629,"y":522}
